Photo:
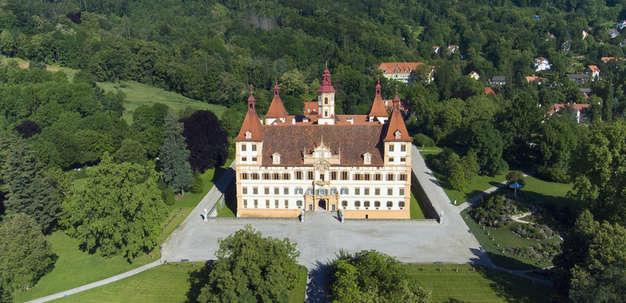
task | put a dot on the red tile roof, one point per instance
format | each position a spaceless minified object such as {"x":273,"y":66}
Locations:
{"x":276,"y":109}
{"x":594,"y":68}
{"x":399,"y":67}
{"x":378,"y":106}
{"x":608,"y":59}
{"x":251,"y":123}
{"x":351,"y":141}
{"x":326,"y":86}
{"x":311,"y":108}
{"x":396,"y":123}
{"x":489,"y":91}
{"x":575,"y":106}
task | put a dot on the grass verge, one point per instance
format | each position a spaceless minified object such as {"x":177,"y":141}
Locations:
{"x":416,"y":209}
{"x":165,"y":283}
{"x":465,"y":283}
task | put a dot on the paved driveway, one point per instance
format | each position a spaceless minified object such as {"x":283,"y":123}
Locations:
{"x":321,"y":236}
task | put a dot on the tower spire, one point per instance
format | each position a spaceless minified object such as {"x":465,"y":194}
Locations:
{"x":276,"y":88}
{"x":251,"y":100}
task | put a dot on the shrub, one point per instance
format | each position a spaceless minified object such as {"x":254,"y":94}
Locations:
{"x":494,"y":211}
{"x":422,"y":140}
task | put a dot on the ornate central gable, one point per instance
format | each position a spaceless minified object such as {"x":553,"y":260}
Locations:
{"x":322,"y":156}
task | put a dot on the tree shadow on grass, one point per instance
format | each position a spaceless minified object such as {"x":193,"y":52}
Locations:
{"x":197,"y":280}
{"x":518,"y":289}
{"x":317,"y":290}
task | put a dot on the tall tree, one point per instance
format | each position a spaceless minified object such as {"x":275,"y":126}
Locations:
{"x":592,"y":265}
{"x":370,"y":276}
{"x":29,"y":190}
{"x":206,"y":139}
{"x":252,"y":268}
{"x":173,"y":157}
{"x":556,"y":147}
{"x":25,"y":255}
{"x":118,"y":209}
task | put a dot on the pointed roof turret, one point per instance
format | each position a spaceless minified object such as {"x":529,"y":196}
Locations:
{"x":251,"y":128}
{"x":396,"y":129}
{"x":378,"y":105}
{"x":326,"y":86}
{"x":277,"y":108}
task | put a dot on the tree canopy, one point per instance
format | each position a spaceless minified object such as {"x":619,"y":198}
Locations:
{"x":206,"y":140}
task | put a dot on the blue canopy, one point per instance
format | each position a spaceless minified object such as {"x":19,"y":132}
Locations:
{"x":516,"y":185}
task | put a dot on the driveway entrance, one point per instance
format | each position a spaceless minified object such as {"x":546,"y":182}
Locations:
{"x":322,"y":205}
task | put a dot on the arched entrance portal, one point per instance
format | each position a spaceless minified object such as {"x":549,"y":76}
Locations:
{"x":322,"y":204}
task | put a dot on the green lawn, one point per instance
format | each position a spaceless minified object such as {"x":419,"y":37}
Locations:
{"x":464,"y":283}
{"x":138,"y":94}
{"x":166,"y":283}
{"x":416,"y":209}
{"x":537,"y":193}
{"x":75,"y":267}
{"x":223,"y":211}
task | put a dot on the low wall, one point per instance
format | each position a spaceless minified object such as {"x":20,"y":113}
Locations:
{"x":422,"y":199}
{"x":269,"y":213}
{"x":377,"y":214}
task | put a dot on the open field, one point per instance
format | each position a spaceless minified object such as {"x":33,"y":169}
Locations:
{"x":464,"y":283}
{"x":138,"y":94}
{"x":75,"y":267}
{"x":165,"y":283}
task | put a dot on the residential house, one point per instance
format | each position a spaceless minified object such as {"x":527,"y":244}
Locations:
{"x":584,"y":34}
{"x":580,"y":110}
{"x":474,"y":75}
{"x":593,"y":71}
{"x":452,"y":49}
{"x":542,"y":64}
{"x":580,"y":79}
{"x":535,"y":79}
{"x":621,"y":25}
{"x":497,"y":81}
{"x":606,"y":60}
{"x":404,"y":71}
{"x":489,"y":91}
{"x":436,"y":49}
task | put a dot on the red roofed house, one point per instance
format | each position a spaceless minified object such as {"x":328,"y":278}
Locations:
{"x":606,"y":60}
{"x":579,"y":109}
{"x":489,"y":91}
{"x":594,"y":72}
{"x":359,"y":165}
{"x":403,"y":71}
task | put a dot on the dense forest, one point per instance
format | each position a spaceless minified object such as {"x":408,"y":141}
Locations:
{"x":62,"y":136}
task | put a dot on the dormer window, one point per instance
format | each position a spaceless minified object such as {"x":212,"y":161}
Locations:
{"x":367,"y":159}
{"x":397,"y":134}
{"x":275,"y":158}
{"x":248,"y":135}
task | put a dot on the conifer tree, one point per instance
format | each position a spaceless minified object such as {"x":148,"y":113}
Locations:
{"x":28,"y":189}
{"x":174,"y":157}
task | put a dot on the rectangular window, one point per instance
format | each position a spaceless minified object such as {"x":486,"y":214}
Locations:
{"x":253,"y":147}
{"x":255,"y":190}
{"x":286,"y":176}
{"x":275,"y":203}
{"x":266,"y":176}
{"x":377,"y":177}
{"x":243,"y":147}
{"x":256,"y":203}
{"x":267,"y":203}
{"x":244,"y":176}
{"x":401,"y":191}
{"x":344,"y":175}
{"x":310,"y":175}
{"x":244,"y":190}
{"x":276,"y":191}
{"x":298,"y":175}
{"x":389,"y":191}
{"x":286,"y":204}
{"x":358,"y":177}
{"x":322,"y":176}
{"x":357,"y":191}
{"x":403,"y":147}
{"x":253,"y":159}
{"x":266,"y":190}
{"x":276,"y":176}
{"x":286,"y":190}
{"x":390,"y":147}
{"x":377,"y":191}
{"x":402,"y":177}
{"x":390,"y":159}
{"x":366,"y":191}
{"x":245,"y":203}
{"x":366,"y":177}
{"x":403,"y":159}
{"x":244,"y":159}
{"x":389,"y":177}
{"x":255,"y":176}
{"x":333,"y":175}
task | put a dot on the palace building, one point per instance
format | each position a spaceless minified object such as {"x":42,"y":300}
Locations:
{"x":322,"y":161}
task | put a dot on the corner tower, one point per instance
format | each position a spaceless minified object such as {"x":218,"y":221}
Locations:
{"x":326,"y":99}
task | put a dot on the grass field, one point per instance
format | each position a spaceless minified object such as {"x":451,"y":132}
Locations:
{"x":223,"y":211}
{"x":464,"y":283}
{"x":75,"y":267}
{"x":166,"y":283}
{"x":138,"y":94}
{"x":537,"y":193}
{"x":416,"y":209}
